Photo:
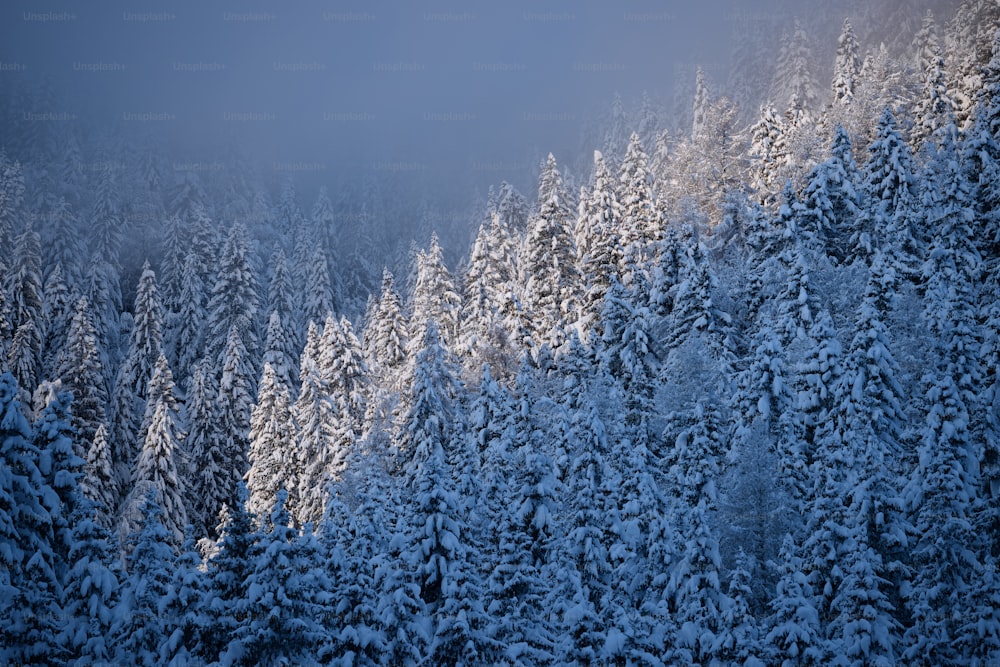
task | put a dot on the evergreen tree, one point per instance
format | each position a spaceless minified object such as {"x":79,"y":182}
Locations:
{"x":28,"y":611}
{"x":24,"y":289}
{"x":830,"y":200}
{"x":640,"y":224}
{"x":435,"y":297}
{"x":55,"y":314}
{"x":318,"y":293}
{"x":318,"y":429}
{"x":584,"y":609}
{"x":139,"y":626}
{"x":182,"y":605}
{"x":157,"y":468}
{"x":694,"y":588}
{"x":234,"y":403}
{"x":187,"y":335}
{"x":283,"y":615}
{"x":794,"y":633}
{"x":204,"y":449}
{"x":80,"y":371}
{"x":888,"y":190}
{"x":272,"y":442}
{"x":738,"y":640}
{"x":547,"y":264}
{"x":233,"y":302}
{"x":227,"y":574}
{"x":135,"y":374}
{"x":278,"y":350}
{"x":347,"y":545}
{"x":846,"y":67}
{"x":519,"y":585}
{"x":386,"y":335}
{"x":90,"y":593}
{"x":600,"y":255}
{"x":99,"y":484}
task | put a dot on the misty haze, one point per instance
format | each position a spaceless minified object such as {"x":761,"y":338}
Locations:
{"x":532,"y":333}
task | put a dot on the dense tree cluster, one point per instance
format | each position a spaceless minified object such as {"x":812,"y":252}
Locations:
{"x":739,"y":410}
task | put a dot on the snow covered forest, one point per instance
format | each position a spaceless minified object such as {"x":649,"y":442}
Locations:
{"x":725,"y":392}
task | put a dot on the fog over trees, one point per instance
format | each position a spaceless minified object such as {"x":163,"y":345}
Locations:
{"x":354,"y":336}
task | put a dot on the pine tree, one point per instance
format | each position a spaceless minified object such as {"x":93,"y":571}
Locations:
{"x":99,"y":484}
{"x":346,"y":547}
{"x":285,"y":610}
{"x":28,"y":611}
{"x":738,"y":641}
{"x":278,"y":350}
{"x":582,"y":610}
{"x":547,"y":264}
{"x":187,"y":335}
{"x":640,"y":224}
{"x":104,"y":295}
{"x":600,"y":255}
{"x":139,"y":627}
{"x":203,"y":445}
{"x":234,"y":403}
{"x":272,"y":442}
{"x":135,"y":374}
{"x":90,"y":593}
{"x":694,"y":588}
{"x":846,"y":68}
{"x":888,"y":190}
{"x":80,"y":371}
{"x":56,"y":313}
{"x":159,"y":463}
{"x":519,"y":585}
{"x":435,"y":297}
{"x":233,"y":302}
{"x":182,"y":605}
{"x":280,"y":297}
{"x":794,"y":633}
{"x":386,"y":335}
{"x":316,"y":416}
{"x":830,"y":200}
{"x":24,"y":287}
{"x":934,"y":109}
{"x":318,"y":293}
{"x":227,"y":574}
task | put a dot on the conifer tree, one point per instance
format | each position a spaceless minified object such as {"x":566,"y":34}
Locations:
{"x":272,"y":442}
{"x":846,"y":68}
{"x":139,"y":627}
{"x":435,"y":297}
{"x":187,"y":335}
{"x":227,"y":574}
{"x":285,"y":613}
{"x":28,"y":611}
{"x":386,"y":335}
{"x":639,"y":216}
{"x":600,"y":254}
{"x":794,"y":633}
{"x":233,"y":302}
{"x":56,"y":313}
{"x":80,"y":371}
{"x":203,"y":447}
{"x":160,"y":462}
{"x":234,"y":404}
{"x":99,"y":483}
{"x":548,"y":263}
{"x":278,"y":350}
{"x":90,"y":593}
{"x":135,"y":374}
